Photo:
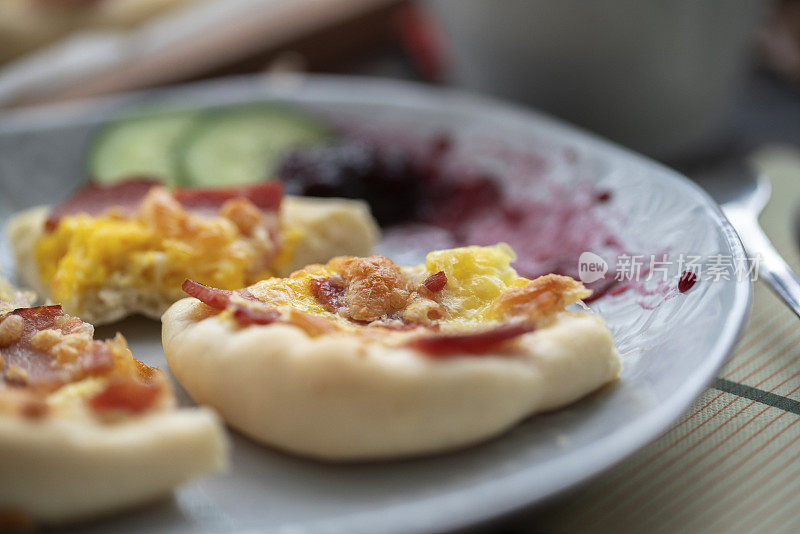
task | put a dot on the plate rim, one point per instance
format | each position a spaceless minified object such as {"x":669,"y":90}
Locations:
{"x":493,"y":499}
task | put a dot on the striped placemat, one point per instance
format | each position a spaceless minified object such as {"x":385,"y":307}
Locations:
{"x":732,"y":462}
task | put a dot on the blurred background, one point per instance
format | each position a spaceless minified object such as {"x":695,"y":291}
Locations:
{"x":679,"y":80}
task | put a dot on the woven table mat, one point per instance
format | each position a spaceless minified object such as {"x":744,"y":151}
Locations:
{"x":732,"y":462}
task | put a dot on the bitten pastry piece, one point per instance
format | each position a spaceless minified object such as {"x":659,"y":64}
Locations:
{"x":85,"y":428}
{"x":363,"y":359}
{"x":108,"y":252}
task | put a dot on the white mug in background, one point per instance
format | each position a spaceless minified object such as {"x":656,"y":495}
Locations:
{"x":659,"y":76}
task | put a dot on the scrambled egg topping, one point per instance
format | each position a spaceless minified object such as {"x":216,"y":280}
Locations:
{"x":479,"y":280}
{"x":475,"y":277}
{"x":156,"y":249}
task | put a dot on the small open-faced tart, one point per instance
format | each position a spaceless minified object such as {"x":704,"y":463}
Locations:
{"x":112,"y":251}
{"x":363,"y":359}
{"x":85,"y":428}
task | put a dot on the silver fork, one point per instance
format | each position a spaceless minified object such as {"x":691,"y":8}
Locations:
{"x":742,"y":193}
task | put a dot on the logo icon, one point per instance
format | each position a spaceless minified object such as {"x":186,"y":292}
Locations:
{"x":591,"y":267}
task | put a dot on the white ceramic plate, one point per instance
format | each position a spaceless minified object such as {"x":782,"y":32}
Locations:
{"x":670,"y":352}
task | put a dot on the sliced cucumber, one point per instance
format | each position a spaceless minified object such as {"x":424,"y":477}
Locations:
{"x":245,"y":145}
{"x":139,"y":146}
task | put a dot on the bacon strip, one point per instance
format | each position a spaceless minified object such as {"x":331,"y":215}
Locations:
{"x":266,"y":196}
{"x":329,"y":292}
{"x":128,"y":395}
{"x":442,"y":345}
{"x":216,"y":298}
{"x":436,"y":282}
{"x":246,"y":316}
{"x":37,"y":364}
{"x":220,"y":299}
{"x":125,"y":197}
{"x":94,"y":199}
{"x":39,"y":317}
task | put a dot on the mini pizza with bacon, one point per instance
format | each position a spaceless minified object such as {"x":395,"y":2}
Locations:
{"x":85,"y":428}
{"x":112,"y":251}
{"x":363,"y":359}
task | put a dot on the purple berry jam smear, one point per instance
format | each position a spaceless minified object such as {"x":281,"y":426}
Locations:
{"x":438,"y":192}
{"x":387,"y":180}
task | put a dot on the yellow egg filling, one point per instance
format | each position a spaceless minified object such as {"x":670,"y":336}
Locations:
{"x":293,"y":291}
{"x":476,"y":279}
{"x":155,"y":250}
{"x":476,"y":276}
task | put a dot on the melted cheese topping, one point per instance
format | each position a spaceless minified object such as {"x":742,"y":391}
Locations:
{"x":156,"y":250}
{"x":293,"y":291}
{"x":482,"y":287}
